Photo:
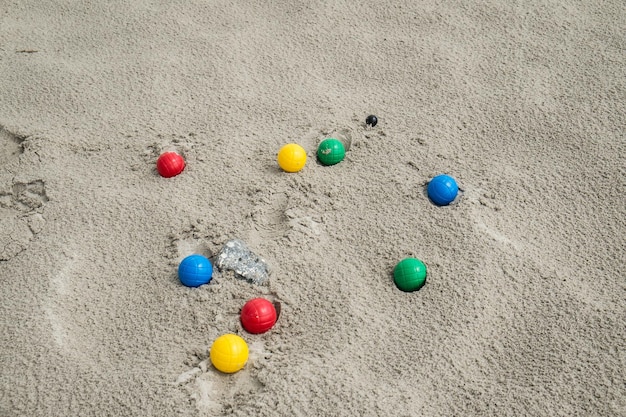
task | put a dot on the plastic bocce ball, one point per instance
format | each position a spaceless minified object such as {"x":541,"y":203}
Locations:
{"x":442,"y":190}
{"x":170,"y":164}
{"x":258,"y":315}
{"x":409,"y":274}
{"x":195,"y":270}
{"x":229,"y":353}
{"x":331,"y":151}
{"x":371,"y":120}
{"x":291,"y":157}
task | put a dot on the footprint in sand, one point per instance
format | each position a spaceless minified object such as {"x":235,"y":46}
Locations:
{"x":276,"y":215}
{"x":66,"y":310}
{"x":212,"y":391}
{"x":216,"y":392}
{"x":10,"y":145}
{"x":21,"y":203}
{"x":292,"y":213}
{"x":485,"y":206}
{"x":268,"y":218}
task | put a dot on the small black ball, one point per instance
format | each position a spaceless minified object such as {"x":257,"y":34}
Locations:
{"x":371,"y":120}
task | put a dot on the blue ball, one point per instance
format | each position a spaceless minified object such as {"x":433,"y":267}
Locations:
{"x":195,"y":270}
{"x":442,"y":190}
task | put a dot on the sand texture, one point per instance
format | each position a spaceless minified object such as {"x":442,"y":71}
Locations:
{"x":524,"y":103}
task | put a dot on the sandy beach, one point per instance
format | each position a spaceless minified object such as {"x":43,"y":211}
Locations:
{"x":524,"y":103}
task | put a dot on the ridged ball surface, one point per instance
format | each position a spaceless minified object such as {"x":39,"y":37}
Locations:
{"x":291,"y":157}
{"x":442,"y":190}
{"x":229,"y":353}
{"x":331,"y":151}
{"x":258,"y":315}
{"x":409,"y":274}
{"x":170,"y":164}
{"x":195,"y":270}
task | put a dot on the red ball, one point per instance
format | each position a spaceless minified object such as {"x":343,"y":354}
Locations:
{"x":258,"y":315}
{"x":170,"y":164}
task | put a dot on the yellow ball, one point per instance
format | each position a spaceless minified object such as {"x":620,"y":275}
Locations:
{"x":292,"y":157}
{"x":229,"y":353}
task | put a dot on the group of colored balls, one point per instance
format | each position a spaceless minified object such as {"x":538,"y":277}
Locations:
{"x":229,"y":352}
{"x":441,"y":190}
{"x":292,"y":157}
{"x":410,"y":273}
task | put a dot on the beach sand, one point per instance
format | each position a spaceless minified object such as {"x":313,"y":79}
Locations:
{"x":523,"y":311}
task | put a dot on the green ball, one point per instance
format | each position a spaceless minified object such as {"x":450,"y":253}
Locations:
{"x":409,"y":274}
{"x":331,"y":151}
